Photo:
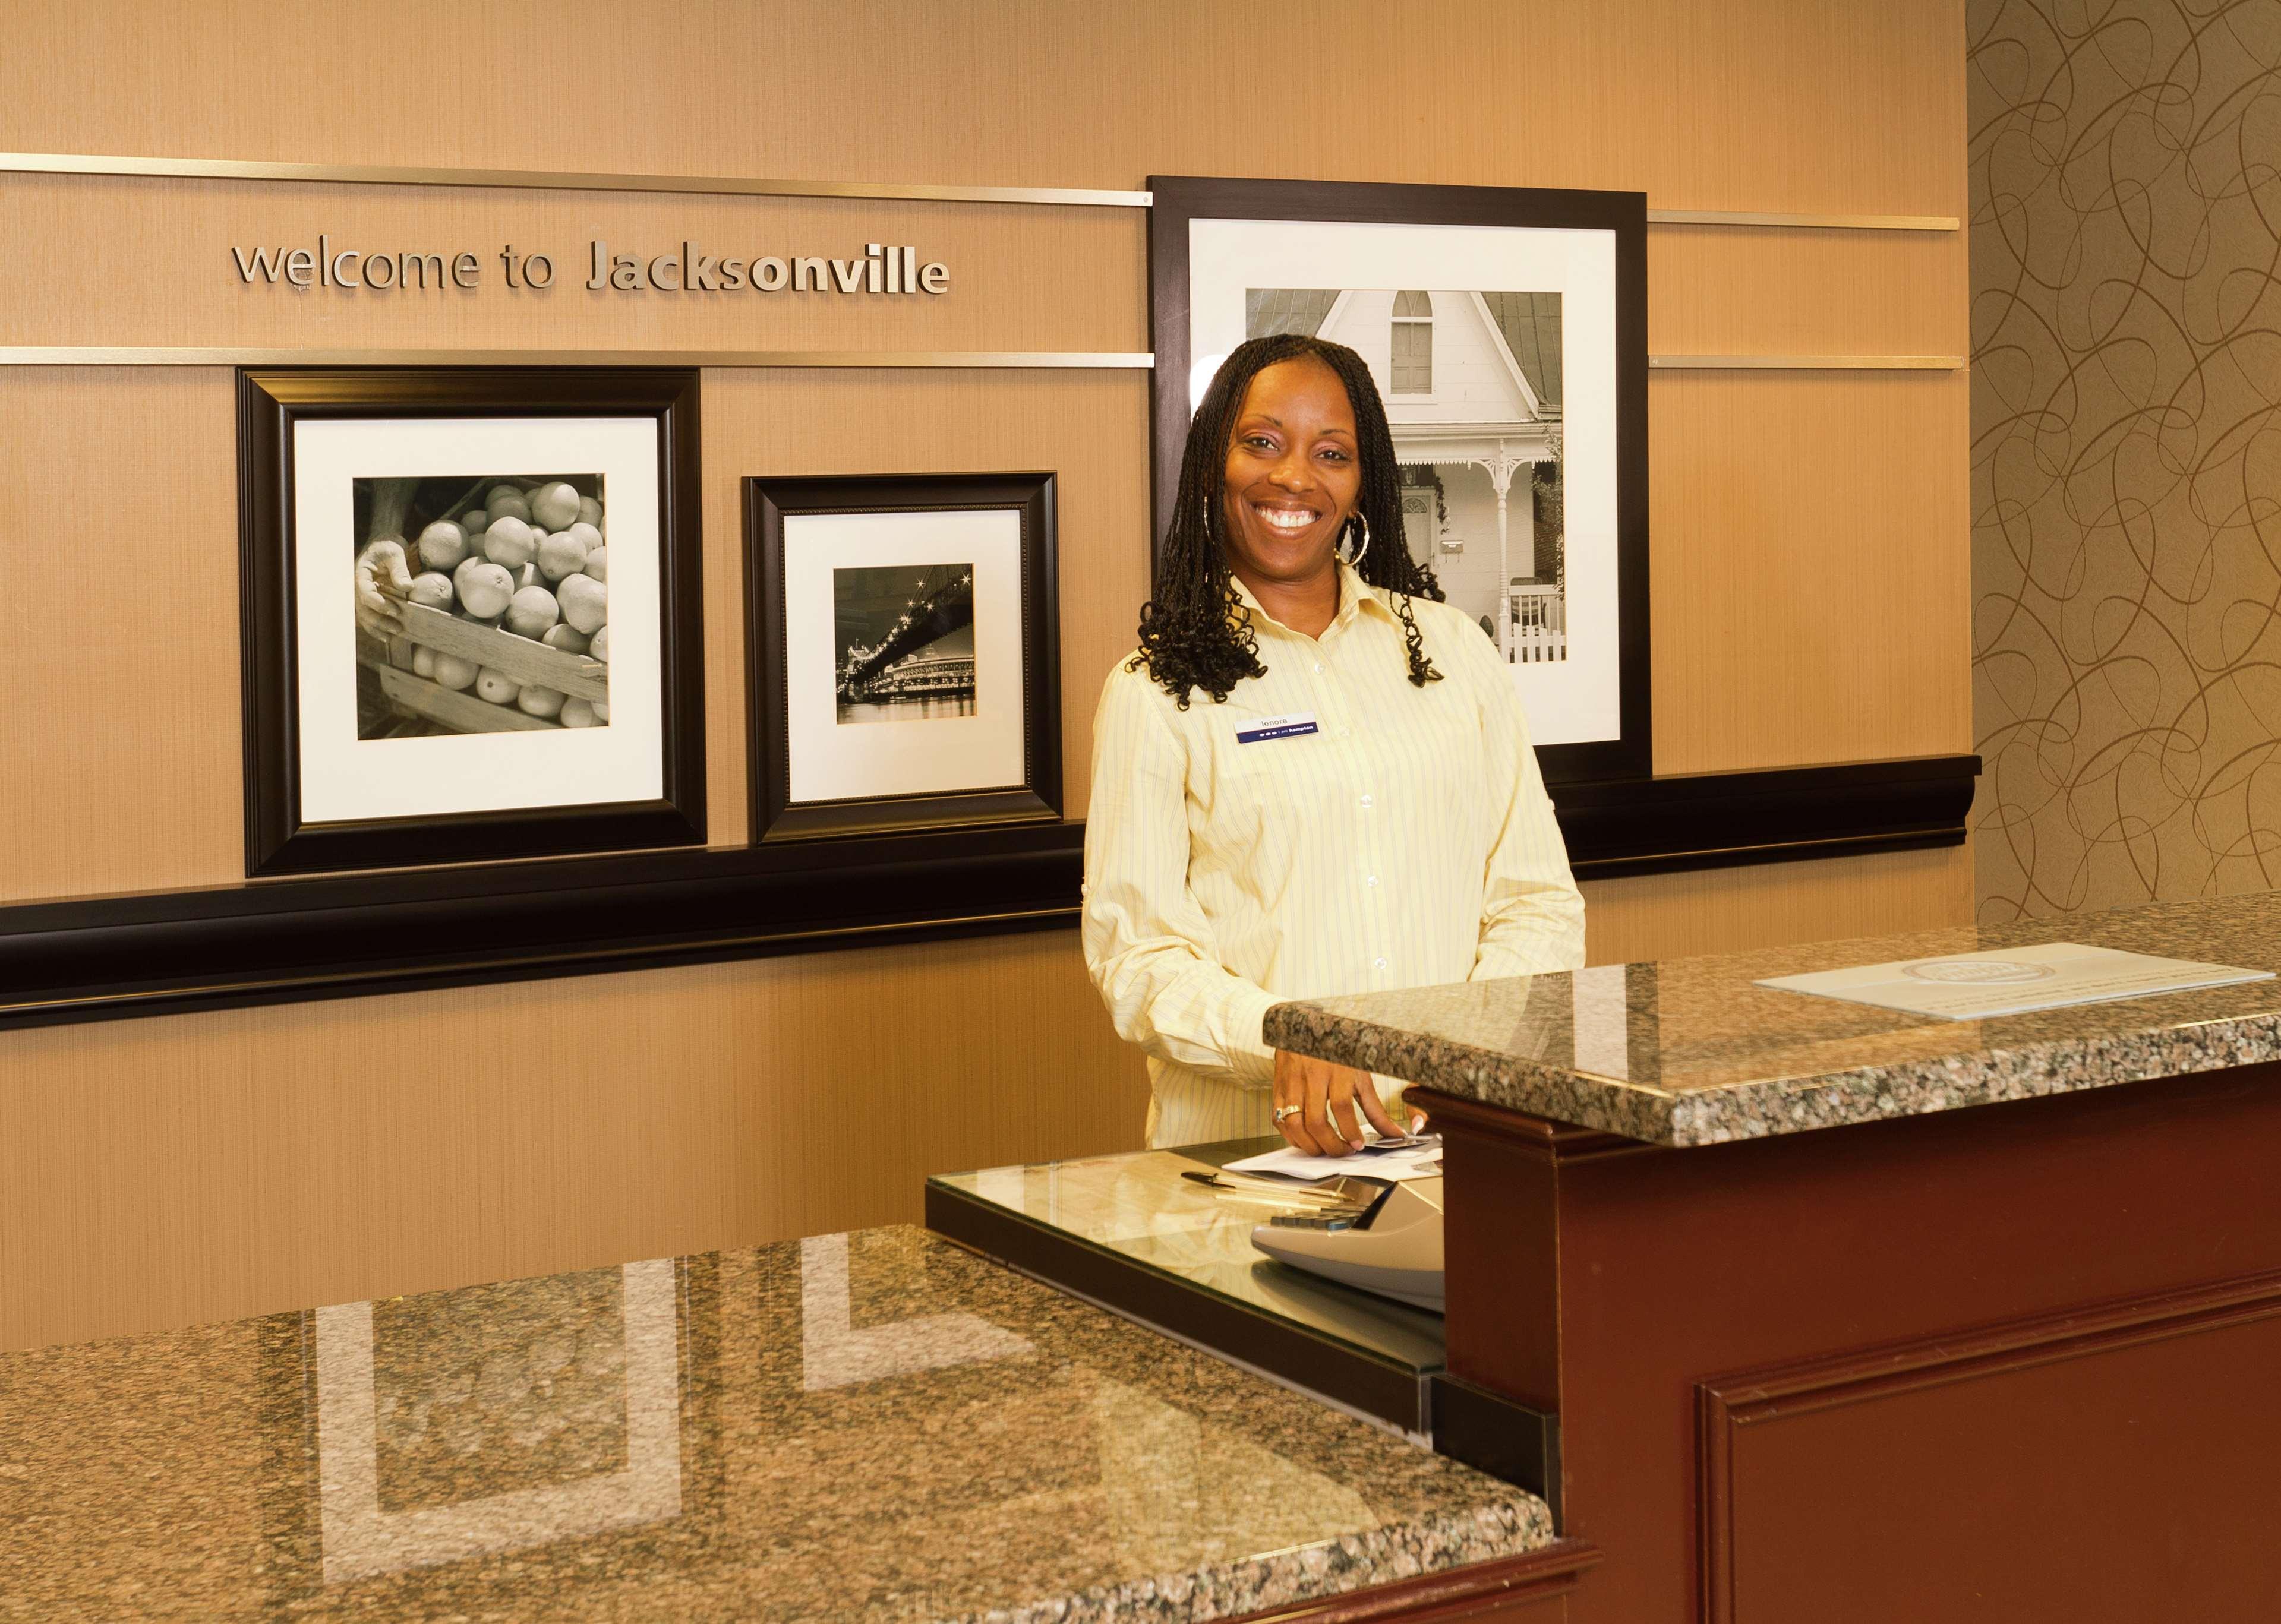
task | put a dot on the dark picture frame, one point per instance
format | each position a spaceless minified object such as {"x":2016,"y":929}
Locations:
{"x":272,"y":405}
{"x":1181,"y":200}
{"x":1036,"y":797}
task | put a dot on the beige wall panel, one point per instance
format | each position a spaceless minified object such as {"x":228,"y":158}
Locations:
{"x":119,"y":676}
{"x":1732,"y":290}
{"x":118,"y":585}
{"x":1820,"y":106}
{"x":1732,"y":909}
{"x":150,"y":262}
{"x":141,"y":262}
{"x":1090,"y":427}
{"x":1810,"y":590}
{"x":201,"y":1166}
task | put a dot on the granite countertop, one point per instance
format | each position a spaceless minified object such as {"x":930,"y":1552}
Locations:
{"x":876,"y":1426}
{"x":1689,"y":1053}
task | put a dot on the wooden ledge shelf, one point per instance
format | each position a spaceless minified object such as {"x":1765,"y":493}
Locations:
{"x":73,"y":959}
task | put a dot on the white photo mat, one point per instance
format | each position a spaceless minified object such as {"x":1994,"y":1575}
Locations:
{"x":1577,"y":700}
{"x":345,"y":779}
{"x":938,"y":755}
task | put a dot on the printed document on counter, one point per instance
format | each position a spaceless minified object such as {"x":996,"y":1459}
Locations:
{"x":2011,"y":980}
{"x":1394,"y":1160}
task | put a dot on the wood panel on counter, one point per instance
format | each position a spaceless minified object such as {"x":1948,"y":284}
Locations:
{"x":2011,"y":1362}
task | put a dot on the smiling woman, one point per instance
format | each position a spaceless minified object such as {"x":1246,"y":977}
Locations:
{"x":1353,"y":806}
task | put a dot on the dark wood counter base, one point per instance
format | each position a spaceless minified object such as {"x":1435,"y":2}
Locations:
{"x":2015,"y":1363}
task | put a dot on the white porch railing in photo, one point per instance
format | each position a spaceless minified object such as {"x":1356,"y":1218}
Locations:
{"x":1536,"y":625}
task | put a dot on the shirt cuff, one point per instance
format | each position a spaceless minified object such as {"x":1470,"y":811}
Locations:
{"x":1254,"y":1066}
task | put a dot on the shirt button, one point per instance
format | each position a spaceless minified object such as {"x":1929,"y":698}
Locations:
{"x":1379,"y":962}
{"x":1367,"y":802}
{"x":1344,"y":732}
{"x":1318,"y":668}
{"x":1370,"y":879}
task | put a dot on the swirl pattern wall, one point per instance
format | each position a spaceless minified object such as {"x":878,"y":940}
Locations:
{"x":2126,"y":352}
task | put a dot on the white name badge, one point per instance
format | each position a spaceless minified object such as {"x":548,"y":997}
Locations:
{"x":1268,"y":728}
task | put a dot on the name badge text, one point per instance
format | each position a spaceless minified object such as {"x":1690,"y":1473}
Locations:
{"x":1268,"y":728}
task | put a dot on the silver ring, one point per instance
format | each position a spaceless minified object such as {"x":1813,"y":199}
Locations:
{"x":1281,"y":1111}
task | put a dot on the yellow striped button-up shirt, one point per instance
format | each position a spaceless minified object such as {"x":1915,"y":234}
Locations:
{"x":1406,"y":841}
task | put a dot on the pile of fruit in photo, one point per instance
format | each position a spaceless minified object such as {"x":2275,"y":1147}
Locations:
{"x":523,"y":573}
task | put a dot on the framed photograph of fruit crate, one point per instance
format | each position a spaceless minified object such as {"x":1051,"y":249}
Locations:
{"x":471,"y":605}
{"x":904,"y":630}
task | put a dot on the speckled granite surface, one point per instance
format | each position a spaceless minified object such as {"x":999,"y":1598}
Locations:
{"x":874,"y":1427}
{"x":1687,"y":1052}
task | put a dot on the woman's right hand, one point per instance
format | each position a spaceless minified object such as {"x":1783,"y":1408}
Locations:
{"x":1327,"y":1095}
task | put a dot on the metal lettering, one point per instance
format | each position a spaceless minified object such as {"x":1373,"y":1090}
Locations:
{"x":884,"y":267}
{"x":697,"y":270}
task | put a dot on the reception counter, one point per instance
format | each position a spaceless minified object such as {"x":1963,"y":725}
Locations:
{"x":868,"y":1427}
{"x":1843,"y":1313}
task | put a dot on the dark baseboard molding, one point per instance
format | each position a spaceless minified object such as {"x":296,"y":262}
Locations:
{"x":1769,"y":815}
{"x":285,"y":941}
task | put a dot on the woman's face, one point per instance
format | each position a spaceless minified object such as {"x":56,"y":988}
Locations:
{"x":1293,"y":472}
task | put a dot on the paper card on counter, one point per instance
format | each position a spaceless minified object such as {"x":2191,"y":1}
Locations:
{"x":2011,"y":980}
{"x":1409,"y":1158}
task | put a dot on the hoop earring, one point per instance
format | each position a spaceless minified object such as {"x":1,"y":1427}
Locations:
{"x":1359,"y":553}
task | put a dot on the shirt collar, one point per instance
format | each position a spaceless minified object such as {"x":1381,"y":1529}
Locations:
{"x":1356,"y":595}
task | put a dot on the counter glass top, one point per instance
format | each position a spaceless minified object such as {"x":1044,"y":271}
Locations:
{"x":1139,"y":1207}
{"x":874,"y":1427}
{"x":1689,"y":1051}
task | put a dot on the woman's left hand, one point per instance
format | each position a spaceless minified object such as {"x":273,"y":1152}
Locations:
{"x":1327,"y":1095}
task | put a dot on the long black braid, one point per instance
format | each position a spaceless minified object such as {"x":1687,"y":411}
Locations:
{"x":1195,"y":632}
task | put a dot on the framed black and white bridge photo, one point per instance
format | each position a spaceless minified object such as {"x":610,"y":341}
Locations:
{"x":905,"y":653}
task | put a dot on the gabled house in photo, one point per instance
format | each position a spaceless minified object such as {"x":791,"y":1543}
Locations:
{"x":1472,"y":385}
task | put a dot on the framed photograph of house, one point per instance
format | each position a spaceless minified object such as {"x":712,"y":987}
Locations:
{"x":471,"y":605}
{"x":1506,"y":330}
{"x":906,"y":660}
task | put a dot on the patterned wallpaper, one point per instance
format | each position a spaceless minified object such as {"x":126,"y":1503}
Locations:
{"x":2126,"y":354}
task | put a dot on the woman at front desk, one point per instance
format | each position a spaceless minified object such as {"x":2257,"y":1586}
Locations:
{"x":1312,"y":778}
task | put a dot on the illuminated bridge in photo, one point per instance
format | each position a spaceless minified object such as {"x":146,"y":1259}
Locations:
{"x":943,"y":602}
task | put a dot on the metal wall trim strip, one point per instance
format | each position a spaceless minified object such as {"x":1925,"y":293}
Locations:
{"x":549,"y":180}
{"x":1808,"y":363}
{"x":749,"y":186}
{"x":1803,"y":222}
{"x":97,"y":355}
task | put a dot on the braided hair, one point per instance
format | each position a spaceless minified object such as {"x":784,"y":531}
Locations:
{"x":1195,"y":632}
